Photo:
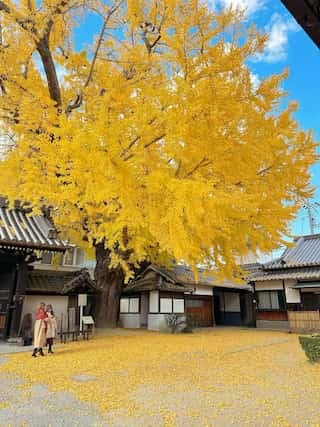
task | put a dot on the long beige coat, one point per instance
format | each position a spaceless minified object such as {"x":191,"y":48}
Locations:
{"x":51,"y":326}
{"x":39,"y":336}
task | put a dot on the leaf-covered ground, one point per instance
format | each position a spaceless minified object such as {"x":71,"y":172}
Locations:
{"x":217,"y":377}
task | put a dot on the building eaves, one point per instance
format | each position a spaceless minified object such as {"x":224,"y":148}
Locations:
{"x":20,"y":230}
{"x":303,"y":273}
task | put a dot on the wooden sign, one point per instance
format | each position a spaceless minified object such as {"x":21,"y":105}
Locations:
{"x":82,"y":299}
{"x":87,"y":320}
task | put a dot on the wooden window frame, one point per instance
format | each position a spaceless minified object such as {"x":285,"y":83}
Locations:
{"x":129,"y":298}
{"x":281,"y":300}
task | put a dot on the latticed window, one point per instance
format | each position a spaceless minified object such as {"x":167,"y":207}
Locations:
{"x":271,"y":300}
{"x":129,"y":305}
{"x":46,"y":258}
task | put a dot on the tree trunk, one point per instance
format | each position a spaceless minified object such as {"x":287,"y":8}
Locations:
{"x":109,"y":282}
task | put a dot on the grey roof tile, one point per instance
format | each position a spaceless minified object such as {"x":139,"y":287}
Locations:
{"x":302,"y":273}
{"x":305,"y":252}
{"x":20,"y":230}
{"x":59,"y":282}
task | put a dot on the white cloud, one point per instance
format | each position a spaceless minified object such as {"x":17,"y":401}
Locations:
{"x":255,"y":80}
{"x":278,"y":31}
{"x":250,"y":6}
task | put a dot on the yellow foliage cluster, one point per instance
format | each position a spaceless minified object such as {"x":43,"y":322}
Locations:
{"x":156,"y":129}
{"x":218,"y":377}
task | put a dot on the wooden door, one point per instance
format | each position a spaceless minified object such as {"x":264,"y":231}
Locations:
{"x":144,"y":309}
{"x":7,"y":284}
{"x":4,"y":313}
{"x":199,"y":311}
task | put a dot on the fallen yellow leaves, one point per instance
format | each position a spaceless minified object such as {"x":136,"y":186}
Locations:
{"x":217,"y":377}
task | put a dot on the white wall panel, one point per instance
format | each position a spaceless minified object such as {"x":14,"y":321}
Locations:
{"x":293,"y":296}
{"x":165,"y":305}
{"x":124,"y":305}
{"x":269,"y":285}
{"x":203,"y":290}
{"x":154,"y":301}
{"x":178,"y":306}
{"x":31,"y":304}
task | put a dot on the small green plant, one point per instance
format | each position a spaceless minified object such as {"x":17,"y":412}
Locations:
{"x":176,"y":322}
{"x":311,"y":346}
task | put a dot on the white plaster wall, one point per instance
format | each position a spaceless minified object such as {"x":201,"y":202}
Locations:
{"x":154,"y":301}
{"x":203,"y":290}
{"x":31,"y":304}
{"x":130,"y":320}
{"x":157,"y":322}
{"x":292,"y":295}
{"x":290,"y":282}
{"x":269,"y":285}
{"x":232,"y":302}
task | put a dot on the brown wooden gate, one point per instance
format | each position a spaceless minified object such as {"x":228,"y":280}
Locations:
{"x":4,"y":312}
{"x":304,"y":321}
{"x":199,"y":311}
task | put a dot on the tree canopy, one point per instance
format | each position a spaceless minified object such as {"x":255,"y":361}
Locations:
{"x":152,"y":138}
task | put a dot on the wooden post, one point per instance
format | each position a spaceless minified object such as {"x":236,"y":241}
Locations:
{"x":61,"y":328}
{"x":18,"y":297}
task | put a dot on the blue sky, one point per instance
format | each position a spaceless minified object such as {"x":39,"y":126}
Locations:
{"x":288,"y":47}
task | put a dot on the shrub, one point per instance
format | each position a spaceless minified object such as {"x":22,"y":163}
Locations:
{"x":311,"y":346}
{"x":176,"y":322}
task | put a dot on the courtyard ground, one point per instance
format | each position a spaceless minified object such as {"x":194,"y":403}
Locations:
{"x":217,"y":377}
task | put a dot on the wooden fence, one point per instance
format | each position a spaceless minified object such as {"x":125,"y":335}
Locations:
{"x":68,"y":326}
{"x":304,"y":321}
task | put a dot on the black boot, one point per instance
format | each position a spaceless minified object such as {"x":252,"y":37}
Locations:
{"x":34,"y":353}
{"x":50,"y":349}
{"x":41,"y":351}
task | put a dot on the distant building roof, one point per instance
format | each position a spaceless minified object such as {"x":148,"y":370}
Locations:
{"x":300,"y":261}
{"x":179,"y":278}
{"x":60,"y":282}
{"x":18,"y":229}
{"x":303,"y":273}
{"x":304,"y":252}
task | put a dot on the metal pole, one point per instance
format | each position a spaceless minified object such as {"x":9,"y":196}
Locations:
{"x":81,"y":316}
{"x":310,"y":217}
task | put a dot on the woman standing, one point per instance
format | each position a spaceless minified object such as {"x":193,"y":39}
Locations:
{"x":39,"y":337}
{"x":51,"y":327}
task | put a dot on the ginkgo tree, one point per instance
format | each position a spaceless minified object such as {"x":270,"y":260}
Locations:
{"x":150,"y":142}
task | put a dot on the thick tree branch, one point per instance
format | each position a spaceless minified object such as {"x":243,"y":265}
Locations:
{"x":50,"y":70}
{"x":42,"y":46}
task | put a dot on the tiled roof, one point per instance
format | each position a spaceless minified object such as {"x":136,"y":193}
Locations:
{"x":305,"y":252}
{"x":58,"y":282}
{"x":20,"y":230}
{"x":303,"y":273}
{"x":206,"y":278}
{"x":183,"y":276}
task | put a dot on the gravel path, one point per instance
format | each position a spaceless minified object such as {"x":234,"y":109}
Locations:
{"x":36,"y":406}
{"x":216,"y":378}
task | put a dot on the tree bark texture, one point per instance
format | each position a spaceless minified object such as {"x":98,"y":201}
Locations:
{"x":109,"y":282}
{"x":50,"y":70}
